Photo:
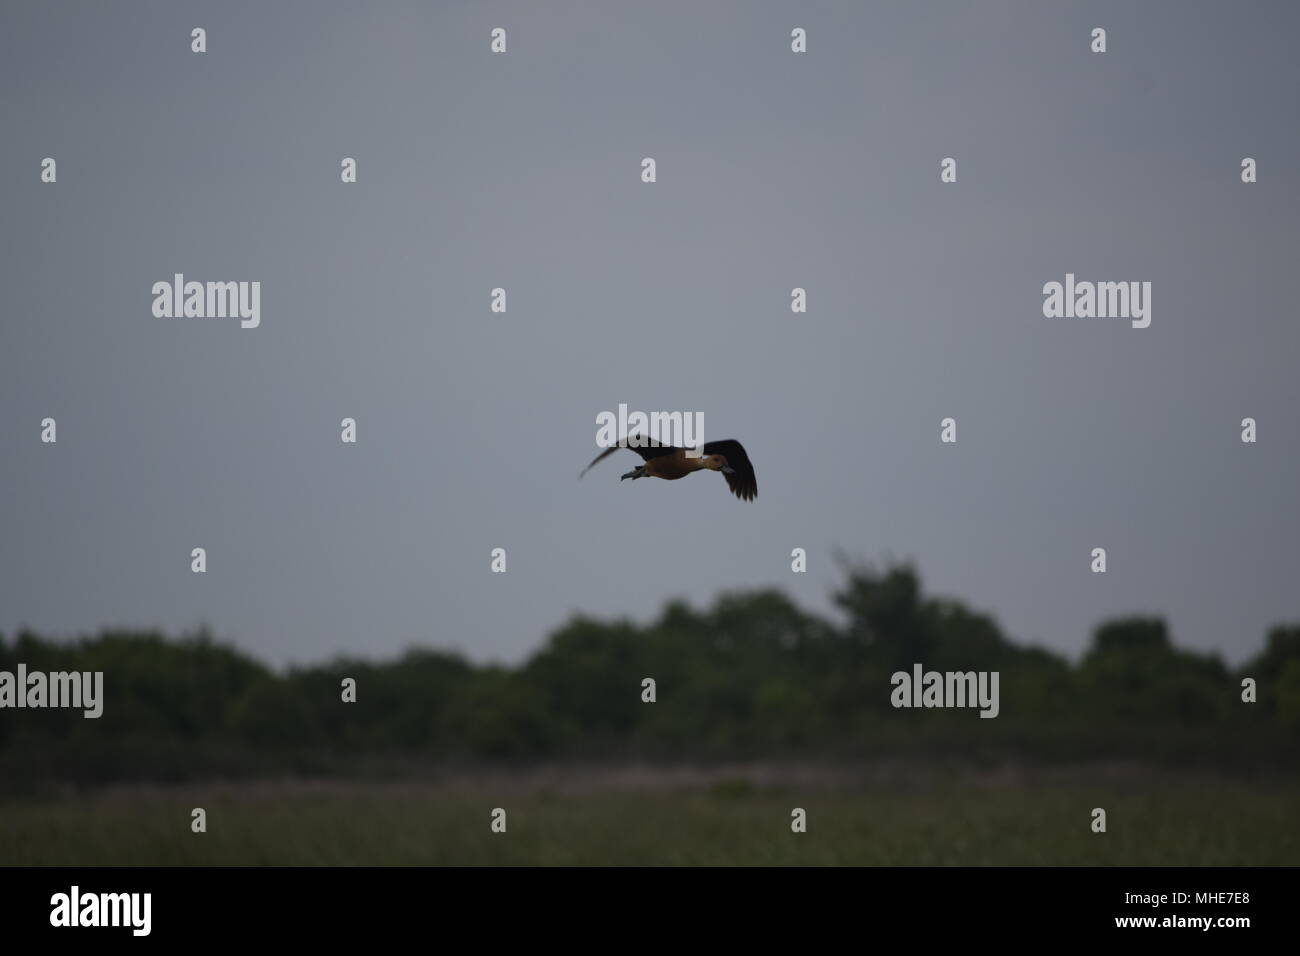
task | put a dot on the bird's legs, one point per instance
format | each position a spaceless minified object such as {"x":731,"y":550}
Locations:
{"x":637,"y":472}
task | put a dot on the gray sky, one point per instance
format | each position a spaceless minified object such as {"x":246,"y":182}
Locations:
{"x":523,"y":171}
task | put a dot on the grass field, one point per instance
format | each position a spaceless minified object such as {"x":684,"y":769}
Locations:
{"x":885,"y":816}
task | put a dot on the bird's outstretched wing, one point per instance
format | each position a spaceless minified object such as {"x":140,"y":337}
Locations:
{"x":743,"y":484}
{"x":652,"y":449}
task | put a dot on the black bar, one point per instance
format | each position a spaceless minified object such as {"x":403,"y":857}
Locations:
{"x":319,"y":906}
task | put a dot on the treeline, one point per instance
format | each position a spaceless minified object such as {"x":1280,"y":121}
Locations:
{"x":752,"y":677}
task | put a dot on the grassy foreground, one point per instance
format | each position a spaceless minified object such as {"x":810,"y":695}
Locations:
{"x":646,"y":816}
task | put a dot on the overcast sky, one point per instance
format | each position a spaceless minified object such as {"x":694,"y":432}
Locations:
{"x":522,"y":170}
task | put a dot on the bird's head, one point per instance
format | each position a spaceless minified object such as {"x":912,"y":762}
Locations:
{"x":717,"y":463}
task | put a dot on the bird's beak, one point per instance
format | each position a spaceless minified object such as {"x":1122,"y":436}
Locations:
{"x":630,"y":474}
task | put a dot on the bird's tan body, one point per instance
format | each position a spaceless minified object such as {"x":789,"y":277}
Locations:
{"x":676,"y":465}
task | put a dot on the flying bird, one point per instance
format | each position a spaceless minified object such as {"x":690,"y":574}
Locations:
{"x":671,"y":463}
